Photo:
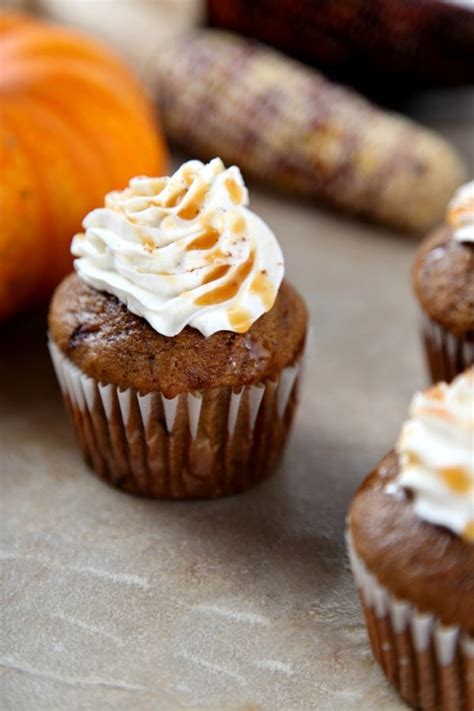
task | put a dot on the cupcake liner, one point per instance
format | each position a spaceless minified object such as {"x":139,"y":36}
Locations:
{"x":446,"y":355}
{"x":200,"y":444}
{"x":430,"y":664}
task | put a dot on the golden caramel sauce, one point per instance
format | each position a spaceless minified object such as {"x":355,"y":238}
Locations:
{"x":262,"y":286}
{"x":456,"y":479}
{"x":206,"y":240}
{"x":175,"y":198}
{"x":188,"y":176}
{"x":227,"y":291}
{"x":238,"y":225}
{"x":149,"y":244}
{"x":468,"y":532}
{"x":216,"y":255}
{"x":194,"y":206}
{"x":216,"y":273}
{"x":412,"y":459}
{"x":240,"y":320}
{"x":234,"y":190}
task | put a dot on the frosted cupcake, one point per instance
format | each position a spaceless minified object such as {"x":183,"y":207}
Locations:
{"x":443,"y":280}
{"x":178,"y":343}
{"x":411,"y":540}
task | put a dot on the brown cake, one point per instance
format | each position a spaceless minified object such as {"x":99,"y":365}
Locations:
{"x":411,"y":540}
{"x":443,"y":281}
{"x":167,"y":402}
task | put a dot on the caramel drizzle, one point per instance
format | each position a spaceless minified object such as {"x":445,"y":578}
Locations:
{"x":216,"y":255}
{"x":240,"y":320}
{"x":149,"y":244}
{"x":206,"y":240}
{"x":262,"y":286}
{"x":234,"y":190}
{"x":194,"y":206}
{"x":216,"y":273}
{"x":238,"y":225}
{"x":412,"y":459}
{"x":229,"y":289}
{"x":175,"y":198}
{"x":456,"y":478}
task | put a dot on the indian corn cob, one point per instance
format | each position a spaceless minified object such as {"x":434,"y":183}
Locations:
{"x":285,"y":124}
{"x":363,"y":42}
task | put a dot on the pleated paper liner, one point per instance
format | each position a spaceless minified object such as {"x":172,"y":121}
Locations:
{"x":206,"y":443}
{"x":447,"y":356}
{"x":431,"y":665}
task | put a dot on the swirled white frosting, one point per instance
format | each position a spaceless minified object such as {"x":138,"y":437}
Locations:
{"x":183,"y":251}
{"x":436,"y":453}
{"x":461,"y":213}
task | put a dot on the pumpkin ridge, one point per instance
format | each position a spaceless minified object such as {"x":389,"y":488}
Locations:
{"x":59,"y":221}
{"x":30,"y":268}
{"x":94,"y":141}
{"x":112,"y":97}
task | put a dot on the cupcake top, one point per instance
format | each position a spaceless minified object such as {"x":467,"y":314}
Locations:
{"x":444,"y":267}
{"x":183,"y":251}
{"x":461,"y":213}
{"x":436,"y":455}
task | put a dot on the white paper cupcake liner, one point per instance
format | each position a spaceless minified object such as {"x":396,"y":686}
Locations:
{"x":431,"y":664}
{"x":203,"y":443}
{"x":446,"y":354}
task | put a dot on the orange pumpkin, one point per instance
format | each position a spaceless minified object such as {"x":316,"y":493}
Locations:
{"x":74,"y":124}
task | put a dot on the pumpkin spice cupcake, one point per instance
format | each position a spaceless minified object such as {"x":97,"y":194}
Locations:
{"x":443,"y":280}
{"x":177,"y":343}
{"x":411,"y":543}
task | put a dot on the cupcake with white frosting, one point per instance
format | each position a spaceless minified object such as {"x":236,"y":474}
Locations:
{"x":411,"y":543}
{"x":177,"y":342}
{"x":443,"y":281}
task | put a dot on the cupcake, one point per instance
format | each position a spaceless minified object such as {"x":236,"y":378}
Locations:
{"x":177,"y":342}
{"x":443,"y":280}
{"x":411,"y":543}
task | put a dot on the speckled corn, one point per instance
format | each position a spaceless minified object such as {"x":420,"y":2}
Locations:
{"x":285,"y":124}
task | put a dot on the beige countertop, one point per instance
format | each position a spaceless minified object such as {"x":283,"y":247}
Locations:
{"x":241,"y":604}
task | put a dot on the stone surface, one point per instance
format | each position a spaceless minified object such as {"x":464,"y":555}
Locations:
{"x":242,"y":604}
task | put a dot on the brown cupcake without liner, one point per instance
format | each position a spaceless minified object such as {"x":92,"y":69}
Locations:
{"x":416,"y":585}
{"x":443,"y":281}
{"x":180,"y":417}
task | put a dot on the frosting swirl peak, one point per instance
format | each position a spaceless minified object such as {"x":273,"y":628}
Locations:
{"x":436,"y":451}
{"x":461,"y":213}
{"x":183,"y":250}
